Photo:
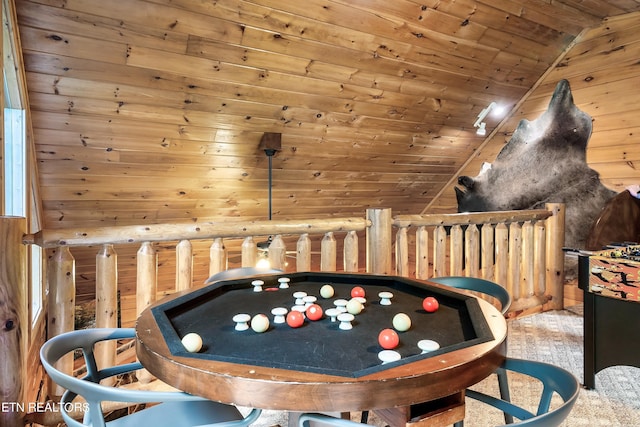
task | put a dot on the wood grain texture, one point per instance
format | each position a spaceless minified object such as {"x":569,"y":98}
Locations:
{"x":14,"y":319}
{"x":152,"y":111}
{"x":602,"y":69}
{"x":61,"y":312}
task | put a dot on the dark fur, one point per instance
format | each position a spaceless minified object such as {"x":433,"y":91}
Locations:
{"x":543,"y":162}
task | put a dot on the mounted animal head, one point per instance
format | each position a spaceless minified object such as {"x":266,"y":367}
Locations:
{"x":543,"y":162}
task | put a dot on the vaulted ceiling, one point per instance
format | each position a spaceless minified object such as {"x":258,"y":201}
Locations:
{"x":153,"y":110}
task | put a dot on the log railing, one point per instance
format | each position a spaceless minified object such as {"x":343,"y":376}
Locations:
{"x":146,"y":286}
{"x":520,"y":250}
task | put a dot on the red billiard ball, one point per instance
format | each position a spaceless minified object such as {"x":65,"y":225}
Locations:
{"x":430,"y":304}
{"x":314,"y":312}
{"x":295,"y":319}
{"x":388,"y":339}
{"x":357,"y":291}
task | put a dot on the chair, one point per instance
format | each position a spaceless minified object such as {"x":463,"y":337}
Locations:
{"x":618,"y":221}
{"x":238,"y":273}
{"x":175,"y":409}
{"x":554,"y":380}
{"x":478,"y":285}
{"x":502,"y":296}
{"x":488,"y":288}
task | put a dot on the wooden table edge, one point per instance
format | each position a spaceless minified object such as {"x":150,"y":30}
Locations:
{"x":281,"y":389}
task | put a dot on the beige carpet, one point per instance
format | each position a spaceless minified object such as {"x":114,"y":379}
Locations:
{"x":553,"y":337}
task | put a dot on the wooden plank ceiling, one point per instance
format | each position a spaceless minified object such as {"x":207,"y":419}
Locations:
{"x":152,"y":111}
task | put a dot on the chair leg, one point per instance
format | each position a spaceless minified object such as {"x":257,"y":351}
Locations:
{"x":503,"y":384}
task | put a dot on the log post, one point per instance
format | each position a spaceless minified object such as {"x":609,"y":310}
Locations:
{"x":351,"y":252}
{"x":502,"y":255}
{"x":147,"y":277}
{"x":555,"y":256}
{"x":278,"y":253}
{"x":146,"y":289}
{"x":379,"y":241}
{"x":455,"y":251}
{"x":471,"y":251}
{"x":422,"y":253}
{"x":13,"y":318}
{"x":439,"y":252}
{"x":487,"y":253}
{"x":328,"y":252}
{"x":540,"y":268}
{"x":217,"y":257}
{"x":184,"y":265}
{"x":106,"y":304}
{"x":527,"y":261}
{"x":515,"y":253}
{"x":61,"y":274}
{"x":249,"y":252}
{"x":402,"y":252}
{"x":303,"y":253}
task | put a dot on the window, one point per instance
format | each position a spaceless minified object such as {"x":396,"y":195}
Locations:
{"x":18,"y":166}
{"x":15,"y":167}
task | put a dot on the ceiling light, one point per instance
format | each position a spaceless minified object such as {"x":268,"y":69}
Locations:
{"x":482,"y":126}
{"x":499,"y":111}
{"x":263,"y":262}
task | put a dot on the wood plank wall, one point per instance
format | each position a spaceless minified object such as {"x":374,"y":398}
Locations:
{"x":603,"y":70}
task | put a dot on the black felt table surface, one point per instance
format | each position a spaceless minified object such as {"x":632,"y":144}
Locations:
{"x":319,"y":346}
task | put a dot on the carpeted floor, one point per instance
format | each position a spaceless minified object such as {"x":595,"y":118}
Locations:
{"x":553,"y":337}
{"x":557,"y":338}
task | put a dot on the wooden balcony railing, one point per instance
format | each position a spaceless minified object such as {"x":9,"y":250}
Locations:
{"x":520,"y":250}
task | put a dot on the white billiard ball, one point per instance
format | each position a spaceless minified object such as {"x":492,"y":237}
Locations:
{"x":260,"y":323}
{"x":192,"y":342}
{"x":354,"y":306}
{"x":401,"y":322}
{"x":326,"y":291}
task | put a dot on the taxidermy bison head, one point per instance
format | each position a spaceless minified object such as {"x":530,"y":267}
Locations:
{"x":543,"y":162}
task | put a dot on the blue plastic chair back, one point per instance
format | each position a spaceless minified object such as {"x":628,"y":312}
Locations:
{"x":478,"y":285}
{"x":179,"y":409}
{"x":239,"y":273}
{"x":554,"y":380}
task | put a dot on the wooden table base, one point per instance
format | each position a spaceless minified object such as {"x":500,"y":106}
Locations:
{"x":440,"y":412}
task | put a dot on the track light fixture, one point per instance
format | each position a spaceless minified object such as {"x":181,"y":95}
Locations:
{"x":482,"y":126}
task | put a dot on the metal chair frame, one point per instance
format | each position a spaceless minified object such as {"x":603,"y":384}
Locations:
{"x":175,"y":409}
{"x":488,"y":288}
{"x":555,"y":380}
{"x":496,"y":291}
